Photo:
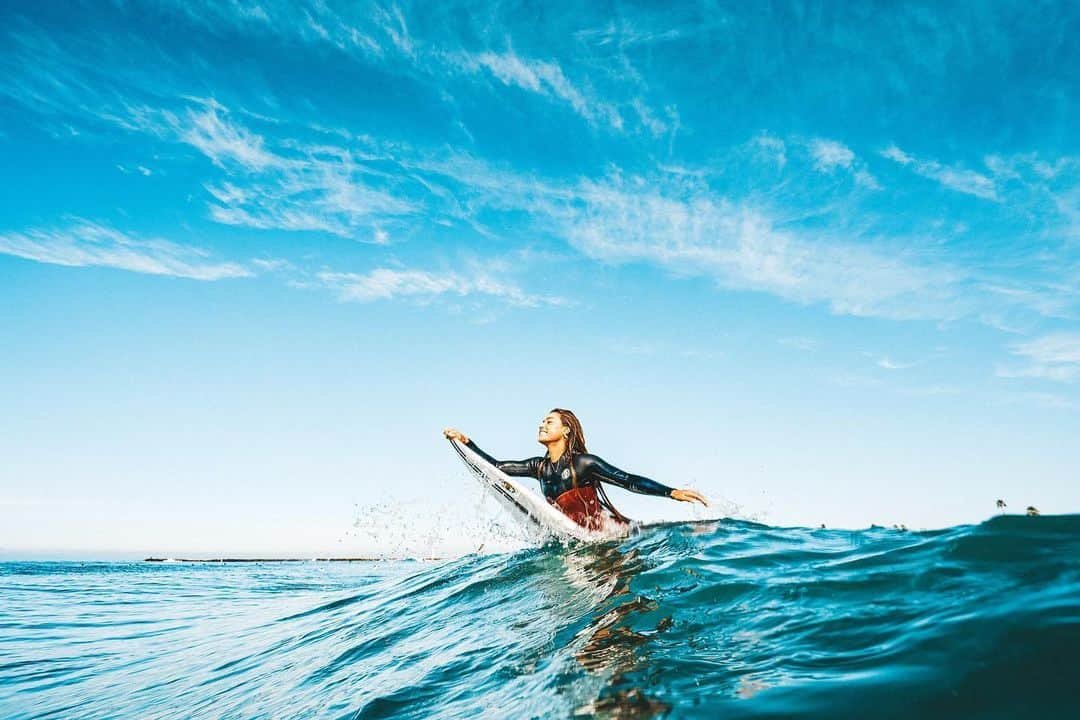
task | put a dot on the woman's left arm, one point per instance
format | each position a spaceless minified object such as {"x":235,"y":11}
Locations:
{"x":608,"y":473}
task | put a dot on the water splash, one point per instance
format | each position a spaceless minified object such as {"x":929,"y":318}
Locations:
{"x":422,"y":529}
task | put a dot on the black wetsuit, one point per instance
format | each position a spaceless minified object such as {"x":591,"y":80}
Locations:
{"x":555,"y":478}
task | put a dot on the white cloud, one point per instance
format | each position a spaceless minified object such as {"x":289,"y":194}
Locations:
{"x":897,"y":155}
{"x":959,"y":179}
{"x":315,"y":23}
{"x":1042,"y":300}
{"x":392,"y":23}
{"x":655,"y":125}
{"x":772,"y":147}
{"x":888,"y":364}
{"x":676,"y":220}
{"x":423,"y":286}
{"x":280,"y":185}
{"x":541,"y":77}
{"x":1022,"y":166}
{"x":382,"y":34}
{"x":829,"y":155}
{"x":221,"y":140}
{"x":284,"y":185}
{"x":866,"y":180}
{"x":271,"y":264}
{"x":371,"y":190}
{"x":1058,"y":348}
{"x":229,"y":194}
{"x":1052,"y":357}
{"x":270,"y":181}
{"x":691,"y":232}
{"x":89,"y":244}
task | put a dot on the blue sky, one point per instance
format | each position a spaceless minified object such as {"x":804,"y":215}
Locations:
{"x":819,"y":261}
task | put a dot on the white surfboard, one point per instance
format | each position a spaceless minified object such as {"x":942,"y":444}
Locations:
{"x":528,"y":507}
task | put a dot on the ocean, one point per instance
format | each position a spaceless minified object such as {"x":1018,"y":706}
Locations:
{"x":717,"y":619}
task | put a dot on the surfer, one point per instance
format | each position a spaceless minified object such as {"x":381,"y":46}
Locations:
{"x":570,"y":476}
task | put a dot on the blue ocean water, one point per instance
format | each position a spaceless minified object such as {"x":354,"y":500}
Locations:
{"x":715,"y":619}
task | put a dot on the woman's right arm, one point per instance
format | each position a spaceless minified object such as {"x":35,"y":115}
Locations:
{"x":522,"y":468}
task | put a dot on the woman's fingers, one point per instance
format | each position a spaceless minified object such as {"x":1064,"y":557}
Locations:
{"x":690,"y":496}
{"x":455,"y":434}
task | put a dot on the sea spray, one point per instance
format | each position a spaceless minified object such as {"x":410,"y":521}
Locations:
{"x":421,"y":528}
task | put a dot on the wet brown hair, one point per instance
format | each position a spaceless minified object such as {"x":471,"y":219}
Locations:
{"x":575,"y":444}
{"x":575,"y":441}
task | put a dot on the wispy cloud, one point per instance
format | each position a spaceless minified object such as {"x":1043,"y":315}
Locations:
{"x":771,"y":147}
{"x":545,"y":77}
{"x":312,"y":23}
{"x":802,"y":238}
{"x":866,"y":180}
{"x":674,"y":219}
{"x":222,"y":141}
{"x":954,"y":178}
{"x":424,"y":286}
{"x":289,"y":185}
{"x":1048,"y":301}
{"x":829,"y":155}
{"x":1023,"y":165}
{"x":368,"y":190}
{"x":141,"y":169}
{"x":89,"y":244}
{"x":887,"y":363}
{"x":1052,"y":357}
{"x":692,"y":232}
{"x":381,"y":34}
{"x":272,"y":264}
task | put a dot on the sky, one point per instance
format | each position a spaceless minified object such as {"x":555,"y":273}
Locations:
{"x":819,"y":261}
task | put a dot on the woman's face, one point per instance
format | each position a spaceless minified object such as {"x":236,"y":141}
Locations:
{"x":552,"y":428}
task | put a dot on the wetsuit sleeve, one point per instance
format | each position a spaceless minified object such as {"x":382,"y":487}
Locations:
{"x":510,"y":467}
{"x":601,"y":470}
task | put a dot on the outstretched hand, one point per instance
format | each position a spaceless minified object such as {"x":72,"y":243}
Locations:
{"x":456,"y":435}
{"x":689,"y":496}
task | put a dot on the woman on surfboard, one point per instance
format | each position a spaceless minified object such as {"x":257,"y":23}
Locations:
{"x":570,"y":477}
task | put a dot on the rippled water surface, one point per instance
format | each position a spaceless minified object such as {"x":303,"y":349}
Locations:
{"x":718,"y":619}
